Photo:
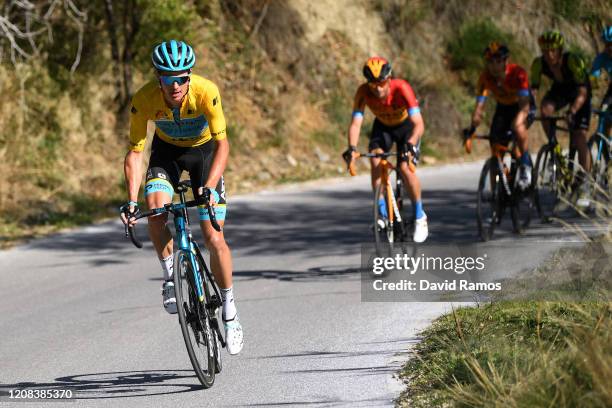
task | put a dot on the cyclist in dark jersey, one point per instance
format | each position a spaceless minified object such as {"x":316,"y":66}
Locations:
{"x":571,"y":87}
{"x":509,"y":85}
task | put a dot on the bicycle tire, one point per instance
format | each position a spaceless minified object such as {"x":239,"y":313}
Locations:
{"x":600,"y":171}
{"x":193,"y":319}
{"x":401,"y":228}
{"x":547,"y":181}
{"x":486,"y":203}
{"x":214,"y":310}
{"x":383,"y":237}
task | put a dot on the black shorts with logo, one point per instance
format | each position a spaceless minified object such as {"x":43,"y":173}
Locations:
{"x":168,"y":161}
{"x":501,"y":125}
{"x":562,"y":95}
{"x":383,"y":137}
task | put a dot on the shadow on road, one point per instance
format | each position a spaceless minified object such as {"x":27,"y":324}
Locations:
{"x":118,"y":384}
{"x":319,"y":222}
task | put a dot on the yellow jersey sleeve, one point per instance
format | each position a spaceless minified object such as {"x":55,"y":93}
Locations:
{"x":211,"y":106}
{"x":138,"y":128}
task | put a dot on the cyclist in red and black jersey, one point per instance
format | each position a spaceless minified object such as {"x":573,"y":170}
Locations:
{"x":571,"y":86}
{"x":398,"y":120}
{"x":509,"y":85}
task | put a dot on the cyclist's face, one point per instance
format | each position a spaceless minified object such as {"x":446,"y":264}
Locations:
{"x":379,"y":89}
{"x":497,"y":66}
{"x":175,"y":91}
{"x":552,"y":55}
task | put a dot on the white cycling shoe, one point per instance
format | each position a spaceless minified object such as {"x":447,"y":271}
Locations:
{"x":169,"y":298}
{"x":420,"y":230}
{"x":233,"y":336}
{"x":524,"y":180}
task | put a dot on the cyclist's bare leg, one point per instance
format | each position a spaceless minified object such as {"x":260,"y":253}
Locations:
{"x":522,"y":138}
{"x":413,"y":185}
{"x":220,"y":254}
{"x":158,"y":231}
{"x":547,"y":109}
{"x":376,"y":171}
{"x":579,"y":140}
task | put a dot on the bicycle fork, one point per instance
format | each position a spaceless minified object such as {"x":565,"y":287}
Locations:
{"x":504,"y":177}
{"x":185,"y":244}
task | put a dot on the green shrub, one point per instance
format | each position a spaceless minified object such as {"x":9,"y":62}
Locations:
{"x":465,"y":50}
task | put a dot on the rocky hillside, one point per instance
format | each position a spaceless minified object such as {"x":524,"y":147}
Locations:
{"x":287,"y":71}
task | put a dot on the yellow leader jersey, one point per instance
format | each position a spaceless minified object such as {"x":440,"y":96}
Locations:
{"x":199,"y":119}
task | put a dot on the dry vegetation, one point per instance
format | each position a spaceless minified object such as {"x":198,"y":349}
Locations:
{"x":287,"y":72}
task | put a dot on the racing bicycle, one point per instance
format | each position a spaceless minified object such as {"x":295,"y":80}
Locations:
{"x":393,"y":228}
{"x":554,"y":174}
{"x":198,"y":297}
{"x":599,"y":146}
{"x":498,"y":189}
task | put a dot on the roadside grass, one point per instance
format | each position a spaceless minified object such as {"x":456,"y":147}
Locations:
{"x":514,"y":354}
{"x":523,"y":353}
{"x":77,"y":210}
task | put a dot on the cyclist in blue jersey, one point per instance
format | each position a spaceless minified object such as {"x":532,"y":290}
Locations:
{"x":603,"y":62}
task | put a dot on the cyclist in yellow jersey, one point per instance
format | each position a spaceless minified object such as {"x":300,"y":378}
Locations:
{"x":190,"y":135}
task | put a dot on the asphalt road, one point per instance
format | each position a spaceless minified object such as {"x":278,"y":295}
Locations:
{"x":82,"y":310}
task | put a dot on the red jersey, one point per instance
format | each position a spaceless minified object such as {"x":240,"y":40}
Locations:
{"x":394,"y":109}
{"x":507,"y":90}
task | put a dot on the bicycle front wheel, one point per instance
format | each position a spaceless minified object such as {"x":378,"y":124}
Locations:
{"x":600,"y":171}
{"x":384,"y":235}
{"x":488,"y":203}
{"x":193,"y":318}
{"x":548,"y":182}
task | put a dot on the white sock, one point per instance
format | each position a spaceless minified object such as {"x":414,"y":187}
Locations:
{"x":167,"y":265}
{"x":229,"y":308}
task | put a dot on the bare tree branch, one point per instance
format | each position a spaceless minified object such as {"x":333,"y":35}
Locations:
{"x":23,"y":24}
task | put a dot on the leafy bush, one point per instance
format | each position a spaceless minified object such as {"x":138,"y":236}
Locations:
{"x":465,"y":50}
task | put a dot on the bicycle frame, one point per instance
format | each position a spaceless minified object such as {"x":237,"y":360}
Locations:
{"x":392,"y":206}
{"x":605,"y":119}
{"x":498,"y":151}
{"x":566,"y":168}
{"x":184,"y":237}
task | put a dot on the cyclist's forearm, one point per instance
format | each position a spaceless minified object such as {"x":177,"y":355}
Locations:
{"x":580,"y":99}
{"x":417,"y":130}
{"x":132,"y":168}
{"x":477,"y":115}
{"x":354,"y":130}
{"x":219,"y":162}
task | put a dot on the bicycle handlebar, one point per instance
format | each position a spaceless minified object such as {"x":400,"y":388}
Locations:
{"x":353,"y":171}
{"x":599,"y":112}
{"x":130,"y":230}
{"x":551,"y":118}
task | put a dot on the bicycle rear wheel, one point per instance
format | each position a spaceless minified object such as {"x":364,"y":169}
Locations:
{"x":384,"y":235}
{"x":488,"y":203}
{"x":547,"y":181}
{"x":601,"y":172}
{"x":193,"y":319}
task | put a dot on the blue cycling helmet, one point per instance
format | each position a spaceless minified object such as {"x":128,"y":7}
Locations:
{"x":606,"y":34}
{"x":173,"y":56}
